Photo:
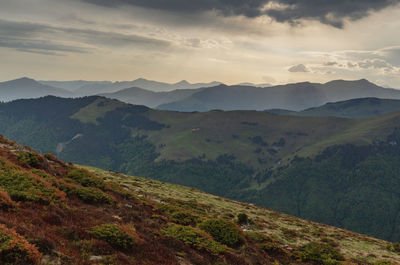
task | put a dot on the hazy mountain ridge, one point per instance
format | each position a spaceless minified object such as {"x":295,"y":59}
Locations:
{"x":25,"y":88}
{"x":90,"y":88}
{"x":295,"y":97}
{"x":139,"y":96}
{"x":187,"y":97}
{"x":72,"y":85}
{"x":353,"y":108}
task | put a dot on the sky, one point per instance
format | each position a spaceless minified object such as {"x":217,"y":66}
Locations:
{"x":231,"y":41}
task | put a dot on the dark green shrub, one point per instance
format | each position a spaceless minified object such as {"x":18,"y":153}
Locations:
{"x":115,"y":235}
{"x":258,"y":237}
{"x":51,"y":157}
{"x":289,"y":234}
{"x":184,"y":218}
{"x":22,"y":186}
{"x":31,"y":159}
{"x":223,"y":231}
{"x":14,"y":249}
{"x":272,"y":248}
{"x":242,"y":219}
{"x":320,"y":253}
{"x":178,"y":215}
{"x":88,"y":194}
{"x":193,"y":237}
{"x":330,"y":242}
{"x":86,"y":179}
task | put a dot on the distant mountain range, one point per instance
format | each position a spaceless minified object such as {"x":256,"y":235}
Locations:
{"x":186,"y":97}
{"x":294,"y":97}
{"x":90,"y":88}
{"x":24,"y":88}
{"x":139,"y":96}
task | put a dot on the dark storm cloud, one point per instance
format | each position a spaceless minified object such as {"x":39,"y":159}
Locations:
{"x":37,"y":38}
{"x":332,"y":12}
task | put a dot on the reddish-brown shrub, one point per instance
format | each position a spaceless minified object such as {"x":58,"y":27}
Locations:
{"x":6,"y":202}
{"x":14,"y":249}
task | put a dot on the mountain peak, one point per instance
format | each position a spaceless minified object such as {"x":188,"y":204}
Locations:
{"x":361,"y":81}
{"x":140,"y":79}
{"x":183,"y":82}
{"x":23,"y":81}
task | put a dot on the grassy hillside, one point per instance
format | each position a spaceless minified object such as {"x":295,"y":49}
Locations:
{"x":265,"y":226}
{"x":57,"y":213}
{"x":246,"y":155}
{"x":354,"y":108}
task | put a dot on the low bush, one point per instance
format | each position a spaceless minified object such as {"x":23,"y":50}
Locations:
{"x":87,"y":194}
{"x":184,"y":218}
{"x":51,"y":157}
{"x":272,"y":248}
{"x":93,"y":247}
{"x":223,"y":231}
{"x":194,"y":237}
{"x":320,"y":253}
{"x":330,"y":242}
{"x":179,"y":215}
{"x":31,"y":159}
{"x":22,"y":186}
{"x":242,"y":219}
{"x":289,"y":234}
{"x":15,"y":250}
{"x":86,"y":179}
{"x":258,"y":237}
{"x":6,"y":203}
{"x":121,"y":237}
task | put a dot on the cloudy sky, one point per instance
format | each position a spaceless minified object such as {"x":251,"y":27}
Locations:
{"x":233,"y":41}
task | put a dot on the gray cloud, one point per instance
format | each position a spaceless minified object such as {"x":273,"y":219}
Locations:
{"x":37,"y":38}
{"x":39,"y":46}
{"x":293,"y":11}
{"x":301,"y":68}
{"x":351,"y":65}
{"x":330,"y":63}
{"x":375,"y":64}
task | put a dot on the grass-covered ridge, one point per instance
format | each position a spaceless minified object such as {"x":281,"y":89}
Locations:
{"x":271,"y":231}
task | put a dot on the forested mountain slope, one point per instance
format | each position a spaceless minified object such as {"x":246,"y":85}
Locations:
{"x":299,"y":165}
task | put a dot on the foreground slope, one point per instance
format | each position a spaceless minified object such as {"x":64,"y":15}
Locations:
{"x":57,"y":213}
{"x":343,"y":172}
